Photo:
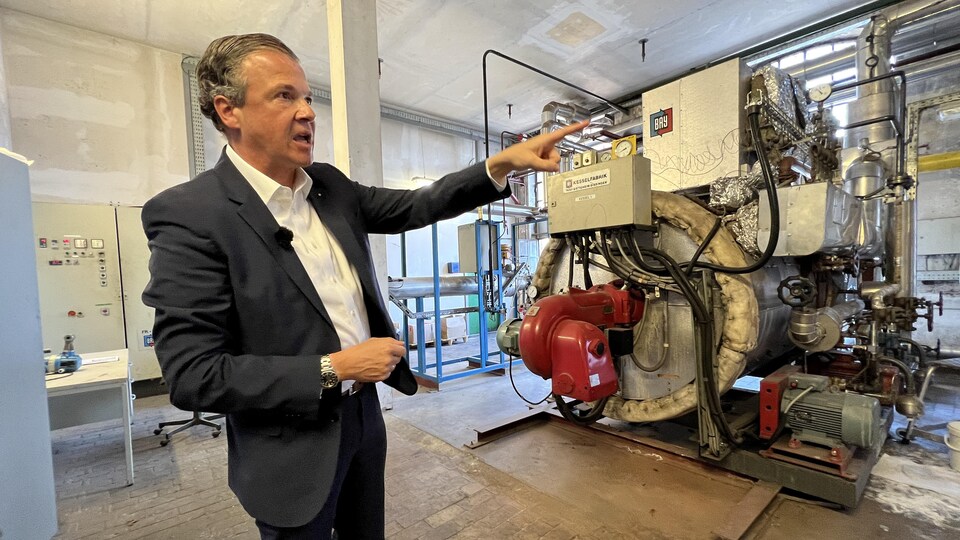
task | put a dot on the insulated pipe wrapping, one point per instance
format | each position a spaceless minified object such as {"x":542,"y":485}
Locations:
{"x":738,"y":330}
{"x":819,"y":330}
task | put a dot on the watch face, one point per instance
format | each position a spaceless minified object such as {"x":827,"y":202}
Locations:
{"x":329,"y":379}
{"x":328,"y":376}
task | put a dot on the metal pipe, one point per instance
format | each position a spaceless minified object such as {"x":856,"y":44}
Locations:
{"x":421,"y":287}
{"x":515,"y":210}
{"x":944,"y":354}
{"x":876,"y":291}
{"x":905,"y":224}
{"x":908,"y":27}
{"x":939,"y":162}
{"x":820,"y":330}
{"x":921,"y":354}
{"x":911,"y":384}
{"x":917,"y":12}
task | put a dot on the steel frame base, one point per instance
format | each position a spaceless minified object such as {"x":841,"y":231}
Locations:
{"x":676,"y":439}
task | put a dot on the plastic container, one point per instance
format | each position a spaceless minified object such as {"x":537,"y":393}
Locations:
{"x":952,"y":440}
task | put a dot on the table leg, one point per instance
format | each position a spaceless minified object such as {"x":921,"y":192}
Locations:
{"x":127,"y":432}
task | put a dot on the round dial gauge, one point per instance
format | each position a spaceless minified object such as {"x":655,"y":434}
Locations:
{"x":820,"y":93}
{"x":532,"y":291}
{"x":604,"y":156}
{"x":622,"y":148}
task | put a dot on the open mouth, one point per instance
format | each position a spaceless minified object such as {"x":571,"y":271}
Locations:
{"x":304,"y":138}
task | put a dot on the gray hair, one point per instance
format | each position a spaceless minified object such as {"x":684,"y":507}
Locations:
{"x":219,"y":73}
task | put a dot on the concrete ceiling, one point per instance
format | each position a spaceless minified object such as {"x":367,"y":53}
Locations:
{"x":432,"y":49}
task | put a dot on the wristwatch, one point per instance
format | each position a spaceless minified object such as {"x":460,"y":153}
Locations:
{"x":328,"y":376}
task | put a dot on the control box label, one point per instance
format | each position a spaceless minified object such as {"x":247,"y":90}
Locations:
{"x":590,"y":180}
{"x":146,"y":337}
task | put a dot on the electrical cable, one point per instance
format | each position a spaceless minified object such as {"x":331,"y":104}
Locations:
{"x":797,"y":398}
{"x":585,"y":259}
{"x":663,"y":350}
{"x":753,"y":118}
{"x":703,"y":245}
{"x":783,"y":415}
{"x":704,"y":322}
{"x":517,"y":390}
{"x":567,"y":410}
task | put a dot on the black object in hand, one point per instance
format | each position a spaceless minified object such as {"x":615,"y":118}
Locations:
{"x":284,"y":237}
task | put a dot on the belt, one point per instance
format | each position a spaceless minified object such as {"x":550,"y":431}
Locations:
{"x":357,"y":385}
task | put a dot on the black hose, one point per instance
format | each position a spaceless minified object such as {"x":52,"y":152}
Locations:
{"x":771,"y":187}
{"x":753,"y":118}
{"x":703,"y":245}
{"x":570,"y":267}
{"x":585,"y":259}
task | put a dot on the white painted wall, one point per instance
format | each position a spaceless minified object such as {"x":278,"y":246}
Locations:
{"x":105,"y":120}
{"x":102,"y":117}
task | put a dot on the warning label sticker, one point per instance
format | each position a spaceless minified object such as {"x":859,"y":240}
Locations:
{"x":588,"y":180}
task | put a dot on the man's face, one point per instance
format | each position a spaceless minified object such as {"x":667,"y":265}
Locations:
{"x":274,"y":127}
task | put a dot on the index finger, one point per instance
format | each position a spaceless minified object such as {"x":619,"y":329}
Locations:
{"x":558,"y":135}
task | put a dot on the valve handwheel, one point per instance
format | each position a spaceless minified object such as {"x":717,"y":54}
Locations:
{"x":796,"y":291}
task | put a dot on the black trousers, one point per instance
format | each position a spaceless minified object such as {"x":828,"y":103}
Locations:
{"x":355,"y":504}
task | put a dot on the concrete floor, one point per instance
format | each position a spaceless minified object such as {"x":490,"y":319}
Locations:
{"x":549,"y":481}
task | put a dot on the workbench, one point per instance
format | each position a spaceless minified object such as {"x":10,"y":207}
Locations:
{"x":96,"y":392}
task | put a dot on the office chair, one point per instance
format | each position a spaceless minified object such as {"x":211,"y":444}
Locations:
{"x":196,"y":420}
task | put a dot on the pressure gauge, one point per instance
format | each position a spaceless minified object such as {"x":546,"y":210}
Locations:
{"x":604,"y":156}
{"x":532,"y":291}
{"x":624,"y":147}
{"x":820,"y":93}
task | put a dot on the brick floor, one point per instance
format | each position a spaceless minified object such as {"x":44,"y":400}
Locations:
{"x":433,"y":490}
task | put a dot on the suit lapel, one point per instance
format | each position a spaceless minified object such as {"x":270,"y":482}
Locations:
{"x":252,"y":211}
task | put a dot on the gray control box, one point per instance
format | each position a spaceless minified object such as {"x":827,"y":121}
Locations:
{"x":467,"y":236}
{"x":609,"y":194}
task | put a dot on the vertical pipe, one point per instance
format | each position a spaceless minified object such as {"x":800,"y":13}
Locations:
{"x":403,"y":273}
{"x":437,"y":344}
{"x":481,"y":293}
{"x":421,"y":337}
{"x":907,"y":239}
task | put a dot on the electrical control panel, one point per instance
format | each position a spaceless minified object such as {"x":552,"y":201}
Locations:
{"x":467,"y":243}
{"x":78,"y":273}
{"x":612,"y":193}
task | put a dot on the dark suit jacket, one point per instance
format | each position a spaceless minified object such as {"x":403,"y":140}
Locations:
{"x":239,"y":326}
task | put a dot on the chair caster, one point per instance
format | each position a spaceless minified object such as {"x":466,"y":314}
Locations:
{"x":164,"y":442}
{"x":216,"y":434}
{"x":157,"y":431}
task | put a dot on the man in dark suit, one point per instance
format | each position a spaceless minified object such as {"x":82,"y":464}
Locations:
{"x":267,"y":304}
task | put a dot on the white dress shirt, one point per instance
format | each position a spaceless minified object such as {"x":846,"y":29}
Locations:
{"x":334,"y":278}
